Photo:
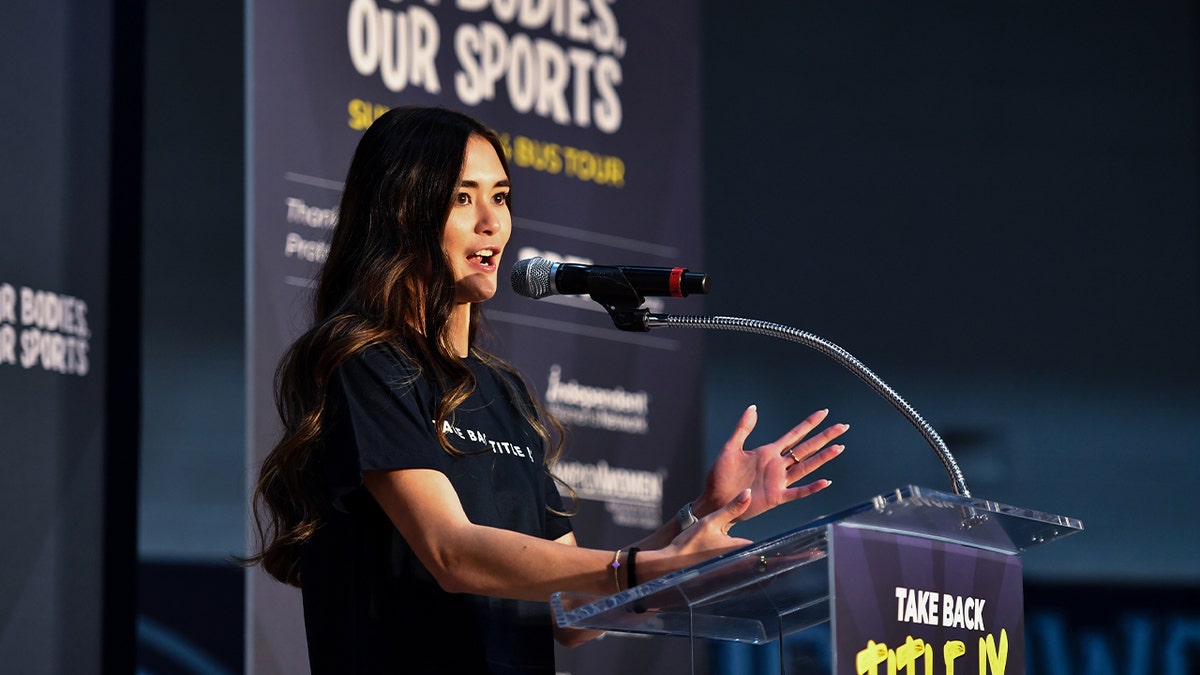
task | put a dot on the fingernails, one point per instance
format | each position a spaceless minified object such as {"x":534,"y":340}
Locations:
{"x":744,"y":496}
{"x":753,"y":406}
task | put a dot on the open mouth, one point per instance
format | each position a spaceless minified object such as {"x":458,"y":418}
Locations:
{"x":484,"y":258}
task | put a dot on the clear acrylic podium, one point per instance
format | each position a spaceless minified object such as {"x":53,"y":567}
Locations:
{"x":777,"y":587}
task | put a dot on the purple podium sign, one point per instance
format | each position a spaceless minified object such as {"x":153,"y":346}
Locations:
{"x":905,"y":604}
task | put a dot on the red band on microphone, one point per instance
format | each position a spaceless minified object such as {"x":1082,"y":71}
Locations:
{"x":677,"y":282}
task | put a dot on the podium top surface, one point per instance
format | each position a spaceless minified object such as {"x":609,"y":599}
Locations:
{"x":780,"y":585}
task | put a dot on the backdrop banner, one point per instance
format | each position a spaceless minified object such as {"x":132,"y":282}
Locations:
{"x":598,"y":105}
{"x":62,"y":540}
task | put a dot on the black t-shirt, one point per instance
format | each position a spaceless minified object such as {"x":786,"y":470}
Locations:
{"x":369,"y":605}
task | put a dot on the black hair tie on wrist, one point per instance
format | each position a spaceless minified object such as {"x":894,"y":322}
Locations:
{"x":631,"y":562}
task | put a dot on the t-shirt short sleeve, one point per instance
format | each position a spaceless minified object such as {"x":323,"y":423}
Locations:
{"x":389,"y":409}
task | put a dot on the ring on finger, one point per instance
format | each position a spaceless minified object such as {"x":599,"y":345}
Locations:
{"x":795,"y":459}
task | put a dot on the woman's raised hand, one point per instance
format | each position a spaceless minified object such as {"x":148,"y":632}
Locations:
{"x":770,"y":471}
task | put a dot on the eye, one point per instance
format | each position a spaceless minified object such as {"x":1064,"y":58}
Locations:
{"x":462,"y":199}
{"x":500,"y":199}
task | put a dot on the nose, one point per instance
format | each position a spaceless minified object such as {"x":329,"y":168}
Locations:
{"x":487,"y":219}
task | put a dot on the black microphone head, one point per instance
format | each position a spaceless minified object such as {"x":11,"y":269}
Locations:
{"x":531,"y":278}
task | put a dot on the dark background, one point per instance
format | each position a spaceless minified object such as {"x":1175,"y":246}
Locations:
{"x":993,"y":205}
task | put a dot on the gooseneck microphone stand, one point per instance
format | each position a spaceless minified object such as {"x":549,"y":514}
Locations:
{"x":833,"y":351}
{"x":627,"y":313}
{"x":623,"y":300}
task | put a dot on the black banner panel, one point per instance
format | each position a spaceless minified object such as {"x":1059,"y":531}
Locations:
{"x":54,"y":336}
{"x":597,"y":103}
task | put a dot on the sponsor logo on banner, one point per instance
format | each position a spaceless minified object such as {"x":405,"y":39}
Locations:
{"x":612,"y":409}
{"x":632,"y":497}
{"x":43,"y":329}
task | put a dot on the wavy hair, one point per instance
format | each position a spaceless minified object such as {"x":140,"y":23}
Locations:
{"x":386,"y":280}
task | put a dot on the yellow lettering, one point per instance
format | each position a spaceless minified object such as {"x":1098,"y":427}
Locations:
{"x":867,"y":661}
{"x":363,"y":113}
{"x":951,"y":651}
{"x":531,"y":154}
{"x":907,"y":658}
{"x":989,"y":657}
{"x":552,"y":158}
{"x":615,"y":170}
{"x":908,"y":653}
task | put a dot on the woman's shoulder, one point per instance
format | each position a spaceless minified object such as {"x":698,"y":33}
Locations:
{"x":484,"y":363}
{"x":502,"y":374}
{"x":386,"y":351}
{"x":383,"y":360}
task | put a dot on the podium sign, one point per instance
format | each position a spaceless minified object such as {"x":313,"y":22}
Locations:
{"x":914,"y":605}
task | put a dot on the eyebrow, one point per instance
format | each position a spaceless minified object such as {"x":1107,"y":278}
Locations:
{"x":475,"y":184}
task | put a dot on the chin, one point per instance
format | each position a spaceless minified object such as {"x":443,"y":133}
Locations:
{"x":475,"y":295}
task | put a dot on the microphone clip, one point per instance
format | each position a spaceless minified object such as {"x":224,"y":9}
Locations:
{"x":630,"y":320}
{"x":609,"y":287}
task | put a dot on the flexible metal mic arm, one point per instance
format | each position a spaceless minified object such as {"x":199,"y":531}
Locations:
{"x":624,"y":305}
{"x":834,"y":352}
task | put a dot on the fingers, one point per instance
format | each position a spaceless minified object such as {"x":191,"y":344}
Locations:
{"x":741,"y":431}
{"x":732,"y":511}
{"x":821,"y":440}
{"x":801,"y":469}
{"x":803,"y":448}
{"x":737,"y":506}
{"x":802,"y":491}
{"x":813,"y":461}
{"x":798,"y":432}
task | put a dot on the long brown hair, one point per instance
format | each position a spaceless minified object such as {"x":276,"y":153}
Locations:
{"x":386,"y":280}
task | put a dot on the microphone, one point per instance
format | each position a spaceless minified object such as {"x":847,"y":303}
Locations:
{"x":538,"y":278}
